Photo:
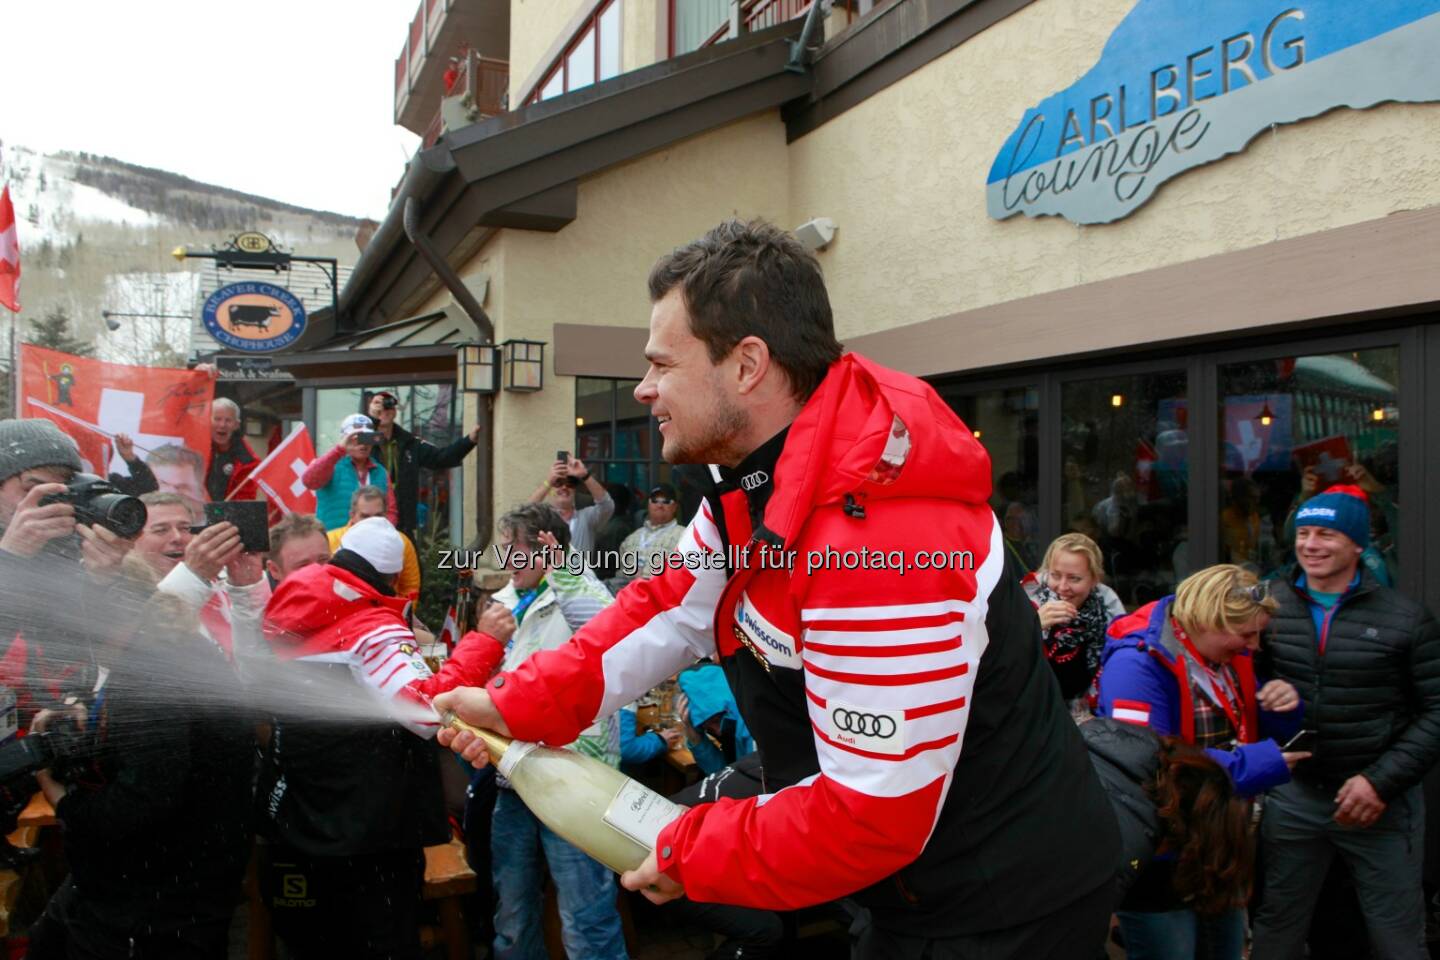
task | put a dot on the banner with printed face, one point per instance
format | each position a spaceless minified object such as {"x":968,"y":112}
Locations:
{"x":165,"y":412}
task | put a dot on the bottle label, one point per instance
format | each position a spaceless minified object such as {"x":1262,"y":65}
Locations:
{"x":517,"y":751}
{"x":640,"y":813}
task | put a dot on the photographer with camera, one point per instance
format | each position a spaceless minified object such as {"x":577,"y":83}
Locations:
{"x":152,"y":789}
{"x":207,"y":568}
{"x":403,"y":454}
{"x":335,"y":482}
{"x":567,"y":475}
{"x":50,"y":515}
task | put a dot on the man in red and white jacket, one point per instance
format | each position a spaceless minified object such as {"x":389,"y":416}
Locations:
{"x":349,"y":783}
{"x":845,"y":569}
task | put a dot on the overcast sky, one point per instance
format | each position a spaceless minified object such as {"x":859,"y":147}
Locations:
{"x":288,"y":99}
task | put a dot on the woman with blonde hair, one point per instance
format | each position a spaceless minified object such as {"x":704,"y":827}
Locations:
{"x":1183,"y":666}
{"x":1075,"y":608}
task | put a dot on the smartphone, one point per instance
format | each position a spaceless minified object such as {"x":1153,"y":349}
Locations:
{"x":368,"y":436}
{"x":251,"y":517}
{"x":1302,"y":742}
{"x":562,"y":456}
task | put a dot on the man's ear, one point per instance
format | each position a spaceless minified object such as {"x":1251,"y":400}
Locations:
{"x":753,"y":355}
{"x":273,"y":570}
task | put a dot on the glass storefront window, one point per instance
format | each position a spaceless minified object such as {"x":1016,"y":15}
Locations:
{"x":1007,"y":422}
{"x":430,"y":412}
{"x":1124,"y":458}
{"x":1291,"y":427}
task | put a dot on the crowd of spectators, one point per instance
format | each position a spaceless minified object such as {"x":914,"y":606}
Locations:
{"x":1307,"y":703}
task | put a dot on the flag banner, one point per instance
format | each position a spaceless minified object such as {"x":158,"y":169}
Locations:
{"x":278,"y":475}
{"x":165,"y":411}
{"x":9,"y":255}
{"x":450,"y":632}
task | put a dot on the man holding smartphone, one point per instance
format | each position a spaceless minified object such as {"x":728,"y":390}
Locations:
{"x":568,"y":474}
{"x":1366,"y":661}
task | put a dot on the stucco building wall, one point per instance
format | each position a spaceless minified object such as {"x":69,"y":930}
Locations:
{"x":903,"y":175}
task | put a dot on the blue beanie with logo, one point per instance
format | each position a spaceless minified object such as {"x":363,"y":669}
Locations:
{"x":1344,"y":508}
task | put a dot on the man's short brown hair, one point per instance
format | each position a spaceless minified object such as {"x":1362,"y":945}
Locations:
{"x":754,"y":279}
{"x":164,"y":498}
{"x":294,"y":525}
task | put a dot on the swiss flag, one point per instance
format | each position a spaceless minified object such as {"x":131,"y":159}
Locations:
{"x":9,"y":255}
{"x":93,"y":400}
{"x":450,"y":632}
{"x":278,"y":475}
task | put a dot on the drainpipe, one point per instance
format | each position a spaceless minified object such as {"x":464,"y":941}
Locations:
{"x":485,"y":448}
{"x":800,"y":49}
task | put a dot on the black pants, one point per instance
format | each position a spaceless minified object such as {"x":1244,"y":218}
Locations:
{"x":758,"y":931}
{"x":72,"y":928}
{"x":1074,"y":932}
{"x":353,"y":907}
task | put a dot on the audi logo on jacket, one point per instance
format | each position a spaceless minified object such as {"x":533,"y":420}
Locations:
{"x":921,"y":754}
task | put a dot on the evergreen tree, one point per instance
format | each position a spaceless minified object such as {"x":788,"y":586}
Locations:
{"x":53,"y":333}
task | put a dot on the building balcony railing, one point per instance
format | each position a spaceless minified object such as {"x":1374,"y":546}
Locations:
{"x":441,"y":31}
{"x":747,"y":16}
{"x":476,"y":87}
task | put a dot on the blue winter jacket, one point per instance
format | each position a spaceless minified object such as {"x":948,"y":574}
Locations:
{"x":1143,"y":679}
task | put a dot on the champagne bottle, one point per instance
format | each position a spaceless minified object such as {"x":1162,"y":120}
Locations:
{"x":591,"y":804}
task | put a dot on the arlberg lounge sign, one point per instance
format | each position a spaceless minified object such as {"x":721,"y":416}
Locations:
{"x":1182,"y":83}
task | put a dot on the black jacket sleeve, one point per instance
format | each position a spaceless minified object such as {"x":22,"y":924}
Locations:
{"x":1417,"y":748}
{"x":140,"y":482}
{"x":442,"y":458}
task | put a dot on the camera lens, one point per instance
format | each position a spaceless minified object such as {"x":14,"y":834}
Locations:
{"x":123,"y":516}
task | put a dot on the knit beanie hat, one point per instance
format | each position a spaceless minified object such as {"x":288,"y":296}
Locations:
{"x":379,"y":543}
{"x":27,"y":444}
{"x":1344,"y":508}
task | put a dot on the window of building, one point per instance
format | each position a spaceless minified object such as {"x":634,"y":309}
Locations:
{"x":694,"y":22}
{"x":1006,"y":421}
{"x":1292,"y":426}
{"x":593,"y":54}
{"x":1125,"y":478}
{"x":428,"y":410}
{"x":616,"y":437}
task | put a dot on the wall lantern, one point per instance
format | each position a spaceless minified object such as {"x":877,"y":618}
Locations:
{"x":1378,"y":414}
{"x":524,"y":365}
{"x":1117,"y":400}
{"x":479,"y":368}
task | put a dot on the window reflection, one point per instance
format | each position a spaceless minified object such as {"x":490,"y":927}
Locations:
{"x":1124,"y":456}
{"x":1006,"y":422}
{"x":1292,"y":427}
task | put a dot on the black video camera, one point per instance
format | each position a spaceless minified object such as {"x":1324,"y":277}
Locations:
{"x":61,"y":750}
{"x":97,"y":501}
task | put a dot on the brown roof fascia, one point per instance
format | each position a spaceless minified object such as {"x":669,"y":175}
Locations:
{"x":521,"y":168}
{"x":891,"y":43}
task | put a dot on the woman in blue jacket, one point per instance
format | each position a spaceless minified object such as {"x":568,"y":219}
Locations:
{"x":1183,"y":667}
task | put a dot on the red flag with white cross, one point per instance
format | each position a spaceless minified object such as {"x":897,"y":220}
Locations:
{"x":278,"y":475}
{"x":9,"y":255}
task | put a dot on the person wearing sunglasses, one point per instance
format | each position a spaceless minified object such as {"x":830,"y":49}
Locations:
{"x":1183,"y":667}
{"x":643,"y":552}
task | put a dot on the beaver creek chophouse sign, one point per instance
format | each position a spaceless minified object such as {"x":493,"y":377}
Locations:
{"x":254,"y":317}
{"x":1182,"y":83}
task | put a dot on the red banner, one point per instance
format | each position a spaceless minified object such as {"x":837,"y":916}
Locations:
{"x":92,"y":400}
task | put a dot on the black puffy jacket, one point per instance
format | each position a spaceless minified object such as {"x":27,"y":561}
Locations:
{"x":1371,"y":683}
{"x":1126,"y":757}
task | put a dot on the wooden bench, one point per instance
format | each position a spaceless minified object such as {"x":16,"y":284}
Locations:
{"x":448,"y":878}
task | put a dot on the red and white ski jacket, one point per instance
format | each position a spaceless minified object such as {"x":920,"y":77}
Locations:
{"x":323,"y":614}
{"x":869,"y":614}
